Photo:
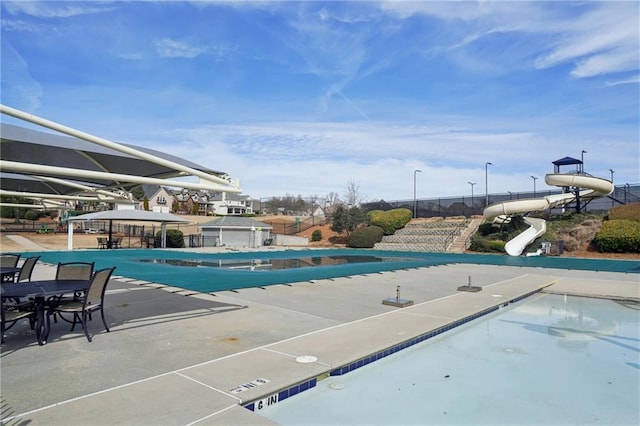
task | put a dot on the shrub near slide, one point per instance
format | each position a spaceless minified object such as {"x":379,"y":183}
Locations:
{"x":619,"y":236}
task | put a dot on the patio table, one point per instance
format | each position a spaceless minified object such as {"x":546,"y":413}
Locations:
{"x":39,"y":290}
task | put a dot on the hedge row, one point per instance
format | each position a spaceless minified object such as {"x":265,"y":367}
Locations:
{"x":390,"y":220}
{"x":619,"y":236}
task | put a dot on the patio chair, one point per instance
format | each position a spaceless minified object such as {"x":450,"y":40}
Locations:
{"x":93,"y":300}
{"x":8,"y":260}
{"x":11,"y":314}
{"x":116,"y":243}
{"x":102,"y":242}
{"x":75,"y":271}
{"x":71,"y":271}
{"x":25,"y":275}
{"x":27,"y":269}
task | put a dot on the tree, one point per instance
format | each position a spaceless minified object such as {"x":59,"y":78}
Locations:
{"x":348,"y":220}
{"x":332,"y":199}
{"x":353,"y":196}
{"x":138,"y":193}
{"x":145,"y":203}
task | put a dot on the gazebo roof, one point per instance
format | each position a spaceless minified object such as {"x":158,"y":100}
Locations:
{"x":566,"y":161}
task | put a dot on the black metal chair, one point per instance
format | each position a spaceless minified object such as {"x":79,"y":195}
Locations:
{"x":11,"y":314}
{"x":92,"y":301}
{"x":71,"y":271}
{"x":75,"y":271}
{"x":27,"y":269}
{"x":8,"y":260}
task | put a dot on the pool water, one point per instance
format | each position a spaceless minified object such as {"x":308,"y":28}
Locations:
{"x":268,"y":264}
{"x":546,"y":360}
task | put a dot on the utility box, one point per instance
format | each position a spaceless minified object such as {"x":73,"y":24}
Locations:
{"x":557,"y":248}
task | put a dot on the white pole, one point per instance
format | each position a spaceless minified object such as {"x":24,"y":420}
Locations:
{"x":13,"y":166}
{"x":69,"y":235}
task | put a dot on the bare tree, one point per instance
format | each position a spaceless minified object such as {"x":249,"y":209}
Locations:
{"x":333,"y":198}
{"x":353,"y":196}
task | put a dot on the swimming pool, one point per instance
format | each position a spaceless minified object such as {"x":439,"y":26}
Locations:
{"x":548,"y":359}
{"x":129,"y":263}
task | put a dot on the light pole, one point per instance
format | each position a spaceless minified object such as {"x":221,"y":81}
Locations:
{"x":415,"y":200}
{"x":471,"y":183}
{"x":486,"y":183}
{"x":534,"y":185}
{"x":582,"y":160}
{"x":614,"y":187}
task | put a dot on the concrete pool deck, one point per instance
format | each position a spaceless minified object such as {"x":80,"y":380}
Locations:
{"x":175,"y":357}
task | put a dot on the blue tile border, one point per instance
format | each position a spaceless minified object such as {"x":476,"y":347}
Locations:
{"x":284,"y":394}
{"x":311,"y":383}
{"x":421,"y":338}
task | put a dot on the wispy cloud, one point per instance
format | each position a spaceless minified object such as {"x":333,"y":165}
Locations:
{"x":170,"y":48}
{"x":55,"y":9}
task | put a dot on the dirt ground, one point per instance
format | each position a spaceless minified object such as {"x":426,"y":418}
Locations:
{"x":58,"y":241}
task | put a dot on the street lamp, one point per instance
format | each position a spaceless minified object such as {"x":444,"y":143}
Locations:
{"x":612,"y":171}
{"x":486,"y":183}
{"x":534,"y":185}
{"x":471,"y":183}
{"x":582,"y":160}
{"x":415,"y":200}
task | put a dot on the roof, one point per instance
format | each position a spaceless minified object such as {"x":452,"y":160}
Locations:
{"x":566,"y":161}
{"x":131,"y":215}
{"x":235,"y":222}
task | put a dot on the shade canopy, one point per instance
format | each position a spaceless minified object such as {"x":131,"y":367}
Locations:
{"x":127,"y":215}
{"x":54,"y":168}
{"x":131,"y":215}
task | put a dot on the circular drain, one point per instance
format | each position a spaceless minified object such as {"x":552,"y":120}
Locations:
{"x":336,"y":386}
{"x":306,"y":359}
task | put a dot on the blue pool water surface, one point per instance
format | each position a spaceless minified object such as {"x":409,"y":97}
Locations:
{"x":162,"y":266}
{"x":549,"y":359}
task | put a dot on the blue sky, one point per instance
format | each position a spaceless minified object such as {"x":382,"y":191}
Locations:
{"x":302,"y":98}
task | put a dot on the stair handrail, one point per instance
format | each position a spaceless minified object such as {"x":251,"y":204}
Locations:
{"x":453,"y":234}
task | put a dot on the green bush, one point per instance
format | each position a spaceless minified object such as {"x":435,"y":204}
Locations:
{"x":390,"y":220}
{"x":365,"y":237}
{"x":486,"y":229}
{"x":487,"y":246}
{"x":31,"y":215}
{"x":175,"y":238}
{"x":316,"y":235}
{"x":619,"y":236}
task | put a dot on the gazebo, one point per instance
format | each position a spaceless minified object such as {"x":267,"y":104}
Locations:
{"x":127,"y":216}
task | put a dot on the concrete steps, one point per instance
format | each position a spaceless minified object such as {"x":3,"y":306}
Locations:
{"x":431,"y":235}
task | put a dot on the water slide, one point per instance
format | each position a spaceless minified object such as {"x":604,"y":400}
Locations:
{"x":500,"y":212}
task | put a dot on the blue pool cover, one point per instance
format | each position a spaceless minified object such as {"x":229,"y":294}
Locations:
{"x":148,"y":265}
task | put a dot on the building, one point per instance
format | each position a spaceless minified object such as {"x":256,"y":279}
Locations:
{"x":233,"y":231}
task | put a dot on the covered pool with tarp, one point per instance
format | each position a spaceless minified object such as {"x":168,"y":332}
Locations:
{"x":196,"y":271}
